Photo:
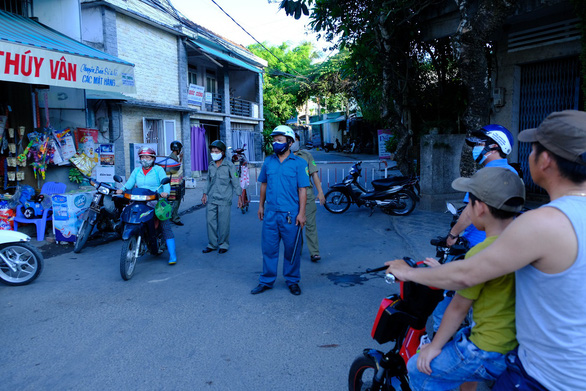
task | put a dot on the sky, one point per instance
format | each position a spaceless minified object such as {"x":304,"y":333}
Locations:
{"x":262,"y":20}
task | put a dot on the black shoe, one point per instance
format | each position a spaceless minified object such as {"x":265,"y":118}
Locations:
{"x":295,"y":290}
{"x":260,"y":289}
{"x":315,"y":258}
{"x":223,"y":250}
{"x":208,"y":250}
{"x":178,"y":222}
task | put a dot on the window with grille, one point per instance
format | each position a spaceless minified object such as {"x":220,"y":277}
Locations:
{"x":18,"y":7}
{"x":192,"y":76}
{"x":160,"y":132}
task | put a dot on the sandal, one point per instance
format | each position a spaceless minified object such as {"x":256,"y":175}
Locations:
{"x":315,"y":258}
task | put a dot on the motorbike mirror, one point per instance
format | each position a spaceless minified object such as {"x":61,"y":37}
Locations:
{"x":166,"y":180}
{"x":117,"y":178}
{"x":451,"y":208}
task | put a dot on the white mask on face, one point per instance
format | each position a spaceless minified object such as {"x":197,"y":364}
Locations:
{"x":216,"y":156}
{"x":295,"y":146}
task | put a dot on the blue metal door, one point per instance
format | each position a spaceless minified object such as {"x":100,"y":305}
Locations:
{"x":545,"y":87}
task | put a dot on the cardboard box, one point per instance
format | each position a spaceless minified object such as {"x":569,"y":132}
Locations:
{"x":68,"y":211}
{"x":190,"y":183}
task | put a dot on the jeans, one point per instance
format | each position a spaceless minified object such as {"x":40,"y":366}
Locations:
{"x":515,"y":377}
{"x":460,"y":361}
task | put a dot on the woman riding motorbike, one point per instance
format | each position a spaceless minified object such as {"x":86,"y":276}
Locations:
{"x":149,"y":176}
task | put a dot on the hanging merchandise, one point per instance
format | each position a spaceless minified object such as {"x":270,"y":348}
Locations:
{"x":38,"y":151}
{"x":83,"y":163}
{"x":66,"y":144}
{"x":87,"y":142}
{"x":75,"y":176}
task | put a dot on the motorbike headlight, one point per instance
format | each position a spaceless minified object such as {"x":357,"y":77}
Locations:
{"x":104,"y":190}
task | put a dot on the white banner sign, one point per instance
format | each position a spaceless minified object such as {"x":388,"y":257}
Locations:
{"x":195,"y":95}
{"x":25,"y":64}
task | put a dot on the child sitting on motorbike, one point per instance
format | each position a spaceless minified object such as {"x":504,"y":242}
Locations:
{"x":476,"y":353}
{"x":149,"y":176}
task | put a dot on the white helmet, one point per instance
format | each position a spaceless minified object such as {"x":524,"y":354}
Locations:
{"x":283,"y":130}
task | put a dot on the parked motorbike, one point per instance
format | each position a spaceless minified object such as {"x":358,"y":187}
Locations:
{"x":103,"y":213}
{"x":142,"y":231}
{"x":328,"y":147}
{"x":394,"y":195}
{"x":20,"y":262}
{"x":241,"y":164}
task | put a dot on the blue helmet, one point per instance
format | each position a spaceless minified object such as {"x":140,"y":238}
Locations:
{"x":493,"y":134}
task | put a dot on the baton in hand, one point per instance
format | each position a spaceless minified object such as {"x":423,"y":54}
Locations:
{"x":297,"y":241}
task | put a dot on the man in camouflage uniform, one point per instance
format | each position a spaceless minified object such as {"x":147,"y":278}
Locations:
{"x":311,"y":208}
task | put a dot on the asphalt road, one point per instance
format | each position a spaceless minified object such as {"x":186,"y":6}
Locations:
{"x":195,"y":325}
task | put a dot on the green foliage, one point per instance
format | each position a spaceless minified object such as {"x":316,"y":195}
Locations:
{"x":284,"y":81}
{"x":391,"y":144}
{"x":385,"y":64}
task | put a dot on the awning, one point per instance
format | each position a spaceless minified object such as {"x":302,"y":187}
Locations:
{"x":36,"y":54}
{"x":329,"y":120}
{"x":93,"y":94}
{"x":225,"y":56}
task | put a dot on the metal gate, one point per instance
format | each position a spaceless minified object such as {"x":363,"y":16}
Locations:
{"x":545,"y":87}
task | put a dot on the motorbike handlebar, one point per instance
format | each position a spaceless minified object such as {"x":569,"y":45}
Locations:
{"x":389,"y":278}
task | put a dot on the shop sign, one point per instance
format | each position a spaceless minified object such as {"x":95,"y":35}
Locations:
{"x":383,"y":136}
{"x":195,"y":95}
{"x":25,"y":64}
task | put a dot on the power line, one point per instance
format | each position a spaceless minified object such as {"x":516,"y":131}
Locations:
{"x":264,"y":47}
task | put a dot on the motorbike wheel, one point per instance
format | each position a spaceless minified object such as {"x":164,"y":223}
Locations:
{"x":85,"y":229}
{"x":406,"y":204}
{"x":362,"y":374}
{"x":26,"y":260}
{"x":128,"y":258}
{"x":337,"y":202}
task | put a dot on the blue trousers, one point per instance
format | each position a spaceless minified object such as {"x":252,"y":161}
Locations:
{"x":274,"y":229}
{"x":460,"y":361}
{"x":515,"y":377}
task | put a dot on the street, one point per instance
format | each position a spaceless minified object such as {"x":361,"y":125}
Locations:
{"x":195,"y":325}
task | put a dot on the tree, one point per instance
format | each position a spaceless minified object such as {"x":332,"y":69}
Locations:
{"x":285,"y":81}
{"x":391,"y":59}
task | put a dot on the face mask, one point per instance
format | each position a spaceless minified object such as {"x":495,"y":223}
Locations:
{"x":216,"y":156}
{"x":478,"y":154}
{"x":280,"y":148}
{"x":146,"y":163}
{"x":295,"y":146}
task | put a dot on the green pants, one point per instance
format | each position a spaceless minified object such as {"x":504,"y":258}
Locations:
{"x":311,"y":227}
{"x":175,"y":213}
{"x":218,"y":219}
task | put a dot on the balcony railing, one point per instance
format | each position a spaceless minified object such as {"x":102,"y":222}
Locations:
{"x":217,"y":105}
{"x":238,"y":107}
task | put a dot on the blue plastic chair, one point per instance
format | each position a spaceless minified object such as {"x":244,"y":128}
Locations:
{"x":48,"y":189}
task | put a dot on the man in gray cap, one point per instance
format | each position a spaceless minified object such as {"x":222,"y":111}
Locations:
{"x":546,"y":248}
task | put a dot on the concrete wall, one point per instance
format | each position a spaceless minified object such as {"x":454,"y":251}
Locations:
{"x":133,"y":131}
{"x":154,"y":54}
{"x":440,"y":165}
{"x":63,"y":16}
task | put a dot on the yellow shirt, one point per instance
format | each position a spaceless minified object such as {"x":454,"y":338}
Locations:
{"x":493,"y":310}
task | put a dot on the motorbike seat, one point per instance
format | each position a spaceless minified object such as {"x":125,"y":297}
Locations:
{"x":385,"y":183}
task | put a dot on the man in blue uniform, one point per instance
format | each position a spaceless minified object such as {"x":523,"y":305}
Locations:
{"x":284,"y":179}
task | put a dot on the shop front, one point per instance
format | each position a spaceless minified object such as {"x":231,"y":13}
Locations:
{"x":58,"y":100}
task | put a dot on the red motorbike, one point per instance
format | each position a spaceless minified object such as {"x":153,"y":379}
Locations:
{"x":400,"y":319}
